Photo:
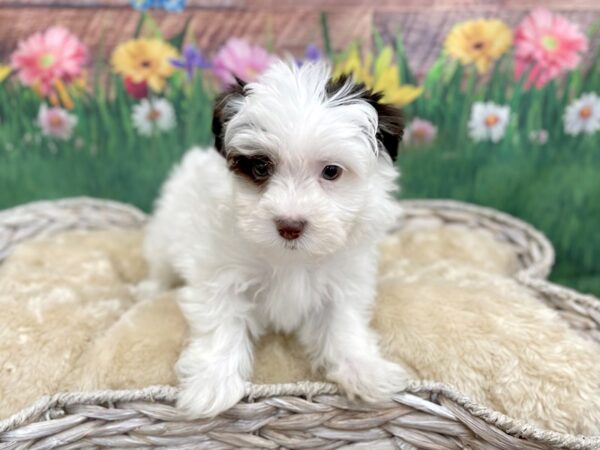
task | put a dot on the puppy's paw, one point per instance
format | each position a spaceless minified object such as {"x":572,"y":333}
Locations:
{"x":205,"y":397}
{"x":370,"y":379}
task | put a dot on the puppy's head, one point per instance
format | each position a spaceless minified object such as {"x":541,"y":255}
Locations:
{"x":311,"y":158}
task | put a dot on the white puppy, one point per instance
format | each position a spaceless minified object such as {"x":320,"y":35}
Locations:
{"x":278,"y":227}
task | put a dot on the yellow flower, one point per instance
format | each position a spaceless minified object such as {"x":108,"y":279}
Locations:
{"x":145,"y":60}
{"x":4,"y":72}
{"x":383,"y":77}
{"x":479,"y":42}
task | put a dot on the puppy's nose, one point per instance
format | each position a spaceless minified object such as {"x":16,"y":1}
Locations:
{"x":290,"y":229}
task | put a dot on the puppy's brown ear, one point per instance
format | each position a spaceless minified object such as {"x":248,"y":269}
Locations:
{"x":390,"y":119}
{"x":223,"y":111}
{"x":390,"y":127}
{"x":391,"y":123}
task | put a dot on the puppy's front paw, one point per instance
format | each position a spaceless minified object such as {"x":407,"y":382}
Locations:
{"x":207,"y":395}
{"x":371,"y":379}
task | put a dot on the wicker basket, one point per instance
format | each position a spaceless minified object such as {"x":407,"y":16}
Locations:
{"x":300,"y":415}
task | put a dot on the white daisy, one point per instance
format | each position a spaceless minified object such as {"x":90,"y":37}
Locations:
{"x":583,"y":115}
{"x":153,"y":116}
{"x":488,"y":121}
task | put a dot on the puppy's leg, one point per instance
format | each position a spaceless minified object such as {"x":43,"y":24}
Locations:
{"x":161,"y":274}
{"x":340,"y":341}
{"x":214,"y":368}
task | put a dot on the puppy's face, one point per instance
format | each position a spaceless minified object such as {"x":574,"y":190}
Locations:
{"x":308,"y":155}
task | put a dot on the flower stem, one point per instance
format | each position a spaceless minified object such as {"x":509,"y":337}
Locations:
{"x":326,"y":38}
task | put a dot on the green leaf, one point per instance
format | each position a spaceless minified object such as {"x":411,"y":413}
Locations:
{"x":177,"y":40}
{"x":435,"y":73}
{"x":325,"y":35}
{"x":140,"y":25}
{"x":378,"y":40}
{"x":403,"y":66}
{"x":153,"y":28}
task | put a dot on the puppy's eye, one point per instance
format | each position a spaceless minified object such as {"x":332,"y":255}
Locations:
{"x":331,"y":172}
{"x":256,"y":168}
{"x":261,"y":169}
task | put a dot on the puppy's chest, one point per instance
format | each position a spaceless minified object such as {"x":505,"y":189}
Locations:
{"x":287,"y":297}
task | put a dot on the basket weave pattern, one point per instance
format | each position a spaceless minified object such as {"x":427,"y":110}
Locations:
{"x":427,"y":415}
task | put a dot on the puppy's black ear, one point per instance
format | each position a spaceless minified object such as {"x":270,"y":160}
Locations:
{"x":223,"y":111}
{"x":391,"y":123}
{"x":390,"y":119}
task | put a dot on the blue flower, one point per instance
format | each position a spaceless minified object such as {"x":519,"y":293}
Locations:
{"x":167,"y":5}
{"x":173,"y":5}
{"x":191,"y":60}
{"x":141,"y":5}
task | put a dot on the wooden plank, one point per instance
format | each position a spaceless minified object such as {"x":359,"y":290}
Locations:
{"x":288,"y":30}
{"x":423,"y":6}
{"x":380,"y":5}
{"x":119,"y":4}
{"x":424,"y":33}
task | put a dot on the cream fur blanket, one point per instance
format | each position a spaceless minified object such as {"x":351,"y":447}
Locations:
{"x":447,"y":309}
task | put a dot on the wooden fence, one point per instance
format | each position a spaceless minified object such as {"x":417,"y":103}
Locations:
{"x":287,"y":24}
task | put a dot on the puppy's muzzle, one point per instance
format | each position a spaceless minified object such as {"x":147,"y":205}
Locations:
{"x":290,"y":229}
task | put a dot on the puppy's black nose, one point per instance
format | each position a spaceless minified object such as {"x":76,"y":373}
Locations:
{"x":290,"y":229}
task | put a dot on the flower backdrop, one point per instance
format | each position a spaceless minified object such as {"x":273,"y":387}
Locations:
{"x":505,"y":117}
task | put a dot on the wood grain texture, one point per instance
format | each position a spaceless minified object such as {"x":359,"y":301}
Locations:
{"x":286,"y":30}
{"x":119,"y":4}
{"x":380,"y":5}
{"x":424,"y":34}
{"x":284,"y":25}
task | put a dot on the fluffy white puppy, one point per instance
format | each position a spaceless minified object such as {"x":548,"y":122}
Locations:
{"x":278,"y":227}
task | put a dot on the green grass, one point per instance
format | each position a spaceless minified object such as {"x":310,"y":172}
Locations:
{"x":106,"y":158}
{"x":555,"y":187}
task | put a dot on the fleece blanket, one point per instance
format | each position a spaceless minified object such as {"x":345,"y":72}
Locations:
{"x":447,"y":308}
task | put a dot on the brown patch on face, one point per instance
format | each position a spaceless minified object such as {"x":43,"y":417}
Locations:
{"x":390,"y":119}
{"x":257,"y":169}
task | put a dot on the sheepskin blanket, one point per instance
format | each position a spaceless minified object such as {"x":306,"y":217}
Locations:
{"x":70,"y":320}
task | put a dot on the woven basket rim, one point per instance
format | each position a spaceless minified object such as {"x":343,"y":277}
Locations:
{"x":254,"y":392}
{"x":539,"y":268}
{"x":311,"y":390}
{"x":94,"y":202}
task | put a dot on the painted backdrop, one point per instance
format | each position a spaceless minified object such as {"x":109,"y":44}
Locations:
{"x":100,"y":97}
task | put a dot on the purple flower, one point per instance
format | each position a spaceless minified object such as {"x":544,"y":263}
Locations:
{"x":312,"y":53}
{"x":191,"y":60}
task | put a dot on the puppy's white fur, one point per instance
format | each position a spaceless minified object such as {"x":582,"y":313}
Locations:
{"x":215,"y":230}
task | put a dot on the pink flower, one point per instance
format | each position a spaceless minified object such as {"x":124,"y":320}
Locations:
{"x":420,"y":132}
{"x":546,"y":45}
{"x":56,"y":122}
{"x":237,"y":58}
{"x":46,"y":57}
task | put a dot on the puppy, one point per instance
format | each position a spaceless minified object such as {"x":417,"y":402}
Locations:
{"x":278,"y":226}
